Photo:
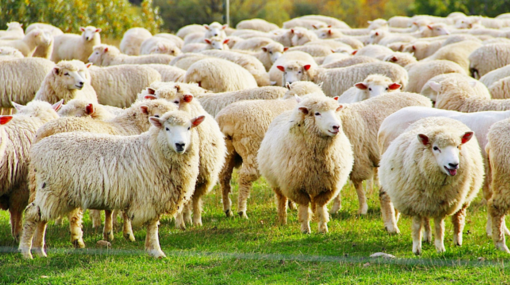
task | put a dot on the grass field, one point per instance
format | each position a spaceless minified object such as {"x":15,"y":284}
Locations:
{"x":259,"y":251}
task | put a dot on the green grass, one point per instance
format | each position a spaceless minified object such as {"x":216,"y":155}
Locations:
{"x":259,"y":251}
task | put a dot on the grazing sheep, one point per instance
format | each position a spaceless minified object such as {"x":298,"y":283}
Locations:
{"x":457,"y":52}
{"x":106,"y":55}
{"x":21,"y":78}
{"x":311,"y":130}
{"x":219,"y":75}
{"x":133,"y":39}
{"x":28,"y":44}
{"x":433,"y":169}
{"x":420,"y":72}
{"x":119,"y":85}
{"x":487,"y":58}
{"x":67,"y":80}
{"x":374,"y":85}
{"x":160,"y":182}
{"x":256,"y":24}
{"x":71,"y":46}
{"x":16,"y":138}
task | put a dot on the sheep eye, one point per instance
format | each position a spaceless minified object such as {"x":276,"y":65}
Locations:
{"x":435,"y":148}
{"x":317,"y":114}
{"x":167,"y":129}
{"x":299,"y":71}
{"x":189,"y":128}
{"x":270,"y":52}
{"x":386,"y":88}
{"x":157,"y":116}
{"x":369,"y":89}
{"x":176,"y":102}
{"x":66,"y":74}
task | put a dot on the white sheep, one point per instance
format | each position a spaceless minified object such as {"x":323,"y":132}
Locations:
{"x":301,"y":36}
{"x":304,"y":23}
{"x":219,"y":75}
{"x":422,"y":49}
{"x":275,"y":74}
{"x":185,"y":60}
{"x":456,"y":52}
{"x":269,"y":53}
{"x":45,"y":49}
{"x":487,"y":58}
{"x":9,"y":53}
{"x":349,"y":61}
{"x":16,"y":138}
{"x":106,"y":55}
{"x":215,"y":29}
{"x":252,"y":44}
{"x":463,"y":82}
{"x":133,"y":39}
{"x":375,"y":51}
{"x":177,"y":41}
{"x":160,"y":182}
{"x":28,"y":44}
{"x":85,"y":108}
{"x":316,"y":50}
{"x":256,"y":24}
{"x":497,"y":74}
{"x":420,"y":72}
{"x":401,"y":58}
{"x":330,"y":21}
{"x":72,"y":46}
{"x":372,"y":86}
{"x":159,"y":45}
{"x":312,"y":129}
{"x":433,"y":169}
{"x":189,"y":29}
{"x":217,"y":43}
{"x":169,"y":73}
{"x":500,"y":89}
{"x":399,"y":22}
{"x":43,"y":26}
{"x":14,"y":30}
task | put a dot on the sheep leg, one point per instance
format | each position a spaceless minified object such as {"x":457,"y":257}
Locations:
{"x":292,"y":205}
{"x":459,"y":221}
{"x":304,"y":218}
{"x":75,"y":225}
{"x":363,"y":207}
{"x":197,"y":210}
{"x":32,"y":219}
{"x":186,"y":213}
{"x":416,"y":233}
{"x":179,"y":220}
{"x":439,"y":238}
{"x":497,"y":214}
{"x":127,"y":229}
{"x":39,"y":237}
{"x":225,"y":177}
{"x":388,"y":213}
{"x":95,"y":216}
{"x":108,"y":225}
{"x":115,"y":214}
{"x":427,"y":237}
{"x":337,"y":204}
{"x":246,"y":178}
{"x":281,"y":203}
{"x":152,"y":240}
{"x":16,"y":219}
{"x":322,"y":214}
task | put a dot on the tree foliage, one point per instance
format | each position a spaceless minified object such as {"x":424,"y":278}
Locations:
{"x":490,"y":8}
{"x":114,"y":17}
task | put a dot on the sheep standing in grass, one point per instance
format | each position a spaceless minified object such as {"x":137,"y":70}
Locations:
{"x":433,"y":170}
{"x":16,"y":137}
{"x":71,"y":46}
{"x":374,"y":85}
{"x":105,"y":55}
{"x":159,"y":183}
{"x":306,"y":157}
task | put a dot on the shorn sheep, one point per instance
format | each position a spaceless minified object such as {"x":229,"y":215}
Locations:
{"x":71,"y":46}
{"x":306,"y":157}
{"x":160,"y":182}
{"x":16,"y":137}
{"x":106,"y":55}
{"x":433,"y":170}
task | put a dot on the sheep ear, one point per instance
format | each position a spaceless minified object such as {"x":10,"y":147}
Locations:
{"x":430,"y":27}
{"x":285,"y":49}
{"x":150,"y":97}
{"x":281,"y":68}
{"x":188,"y":98}
{"x":315,"y":27}
{"x":361,"y":86}
{"x":307,"y":67}
{"x":151,"y":91}
{"x":177,"y":87}
{"x":330,"y":32}
{"x":376,"y":33}
{"x":414,"y":48}
{"x":17,"y":106}
{"x":82,"y":29}
{"x":155,"y":121}
{"x":145,"y":110}
{"x":57,"y":105}
{"x":354,"y":52}
{"x":287,"y":84}
{"x":291,"y":31}
{"x":206,"y":27}
{"x":88,"y":65}
{"x":304,"y":110}
{"x":329,"y":26}
{"x":339,"y":108}
{"x":297,"y":98}
{"x":333,"y":51}
{"x":394,"y":86}
{"x":98,"y":30}
{"x":414,"y":23}
{"x":224,"y":27}
{"x":423,"y":139}
{"x":197,"y":121}
{"x":56,"y":70}
{"x":207,"y":41}
{"x":264,"y":49}
{"x":5,"y":119}
{"x":226,"y":41}
{"x":466,"y":137}
{"x":89,"y":109}
{"x":435,"y":86}
{"x":394,"y":59}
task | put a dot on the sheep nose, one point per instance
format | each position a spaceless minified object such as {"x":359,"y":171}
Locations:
{"x":179,"y":146}
{"x":336,"y":127}
{"x":453,"y":165}
{"x":80,"y":83}
{"x":215,"y":35}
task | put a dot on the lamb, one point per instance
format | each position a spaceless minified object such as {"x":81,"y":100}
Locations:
{"x":457,"y":52}
{"x":312,"y":129}
{"x":500,"y":89}
{"x":133,"y":39}
{"x":487,"y":58}
{"x":427,"y":164}
{"x":159,"y":45}
{"x":21,"y":79}
{"x":189,"y":29}
{"x":119,"y":85}
{"x":219,"y":75}
{"x":212,"y":151}
{"x":256,"y":24}
{"x":16,"y":137}
{"x":244,"y":124}
{"x":495,"y":75}
{"x":29,"y":42}
{"x":185,"y":60}
{"x":420,"y":72}
{"x":170,"y":151}
{"x":71,"y":46}
{"x":106,"y":55}
{"x":67,"y":80}
{"x":374,"y":85}
{"x":401,"y":58}
{"x":215,"y":30}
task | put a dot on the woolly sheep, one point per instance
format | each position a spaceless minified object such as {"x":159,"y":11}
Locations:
{"x":43,"y":26}
{"x":177,"y":41}
{"x":464,"y":82}
{"x":420,"y":72}
{"x":169,"y":73}
{"x":132,"y":40}
{"x":313,"y":50}
{"x":275,"y":74}
{"x":219,"y":75}
{"x":119,"y":85}
{"x":14,"y":30}
{"x":427,"y":174}
{"x":215,"y":29}
{"x":375,"y":51}
{"x":45,"y":49}
{"x":9,"y":53}
{"x":21,"y":79}
{"x":487,"y":58}
{"x":399,"y":22}
{"x":185,"y":60}
{"x":256,"y":24}
{"x":302,"y":36}
{"x":217,"y":43}
{"x":312,"y":129}
{"x":457,"y":52}
{"x":422,"y":49}
{"x":269,"y":54}
{"x":350,"y":61}
{"x":106,"y":55}
{"x":500,"y":89}
{"x":16,"y":137}
{"x":159,"y":45}
{"x":85,"y":108}
{"x":308,"y":24}
{"x":400,"y":58}
{"x":491,"y":77}
{"x":374,"y":85}
{"x":169,"y":162}
{"x":253,"y":44}
{"x":191,"y":48}
{"x":333,"y":22}
{"x":384,"y":37}
{"x":335,"y":57}
{"x":354,"y":43}
{"x":29,"y":42}
{"x":189,"y":29}
{"x":72,"y":46}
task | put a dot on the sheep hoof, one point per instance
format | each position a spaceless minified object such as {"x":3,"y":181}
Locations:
{"x":242,"y":215}
{"x":109,"y":236}
{"x":26,"y":253}
{"x":392,"y":230}
{"x":39,"y":252}
{"x":229,"y":213}
{"x":156,"y":253}
{"x":417,"y":252}
{"x":129,"y":237}
{"x":502,"y":246}
{"x":78,"y":244}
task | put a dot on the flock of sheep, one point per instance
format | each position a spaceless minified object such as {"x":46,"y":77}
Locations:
{"x":418,"y":104}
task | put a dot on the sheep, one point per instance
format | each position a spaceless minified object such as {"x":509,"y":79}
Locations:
{"x":330,"y":21}
{"x":282,"y":36}
{"x":420,"y":72}
{"x":72,"y":46}
{"x":132,"y":40}
{"x":313,"y":50}
{"x":433,"y":169}
{"x":400,"y":58}
{"x":159,"y":45}
{"x":43,"y":26}
{"x":21,"y":78}
{"x":275,"y":74}
{"x":253,"y":44}
{"x":192,"y":48}
{"x":16,"y":137}
{"x":308,"y":24}
{"x":399,"y":22}
{"x":45,"y":49}
{"x":459,"y":38}
{"x":9,"y":53}
{"x":500,"y":89}
{"x":14,"y":30}
{"x":491,"y":77}
{"x":169,"y":73}
{"x":244,"y":124}
{"x":215,"y":30}
{"x":487,"y":58}
{"x":422,"y":49}
{"x":256,"y":24}
{"x":269,"y":54}
{"x":464,"y":82}
{"x":375,"y":51}
{"x":335,"y":57}
{"x":106,"y":55}
{"x":374,"y":85}
{"x":177,"y":41}
{"x":456,"y":52}
{"x":85,"y":108}
{"x":166,"y":172}
{"x":189,"y":29}
{"x":354,"y":43}
{"x":29,"y":42}
{"x":328,"y":33}
{"x":217,"y":43}
{"x":338,"y":80}
{"x":185,"y":60}
{"x":350,"y":61}
{"x":384,"y":37}
{"x":312,"y":129}
{"x":302,"y":36}
{"x":219,"y":75}
{"x":214,"y":103}
{"x":247,"y":34}
{"x":212,"y":150}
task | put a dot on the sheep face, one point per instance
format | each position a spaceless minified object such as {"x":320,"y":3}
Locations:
{"x":39,"y":109}
{"x":446,"y":151}
{"x":375,"y":88}
{"x":97,"y":55}
{"x":273,"y":53}
{"x":215,"y":30}
{"x":70,"y":78}
{"x":438,"y":30}
{"x":326,"y":120}
{"x":293,"y":72}
{"x":176,"y":130}
{"x":88,"y":33}
{"x":375,"y":36}
{"x":217,"y":43}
